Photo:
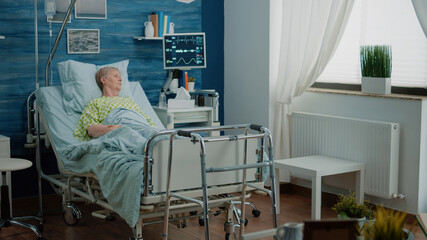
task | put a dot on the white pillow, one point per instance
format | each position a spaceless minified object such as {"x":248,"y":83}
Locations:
{"x":79,"y":85}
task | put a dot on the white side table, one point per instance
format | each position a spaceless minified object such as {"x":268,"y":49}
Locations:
{"x":172,"y":116}
{"x":5,"y":153}
{"x":316,"y":167}
{"x":9,"y":165}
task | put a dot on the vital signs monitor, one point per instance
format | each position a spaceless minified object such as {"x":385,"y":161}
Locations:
{"x":184,"y":51}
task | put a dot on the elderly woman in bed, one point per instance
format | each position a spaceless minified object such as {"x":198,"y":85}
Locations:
{"x":90,"y":123}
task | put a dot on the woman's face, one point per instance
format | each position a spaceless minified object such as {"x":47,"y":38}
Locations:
{"x":113,"y":81}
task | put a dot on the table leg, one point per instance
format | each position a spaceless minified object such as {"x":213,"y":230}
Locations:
{"x":360,"y":185}
{"x":5,"y":204}
{"x":316,"y":197}
{"x":277,"y":180}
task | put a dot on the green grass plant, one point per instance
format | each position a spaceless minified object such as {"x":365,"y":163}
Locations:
{"x":347,"y":206}
{"x":375,"y":61}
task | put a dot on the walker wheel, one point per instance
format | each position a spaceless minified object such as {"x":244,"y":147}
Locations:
{"x":71,"y":214}
{"x":256,"y":213}
{"x":201,"y":222}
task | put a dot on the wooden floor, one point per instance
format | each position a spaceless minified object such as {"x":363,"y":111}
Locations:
{"x":295,"y":207}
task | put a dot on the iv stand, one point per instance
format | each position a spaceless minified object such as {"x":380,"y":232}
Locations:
{"x":49,"y":61}
{"x":55,"y":45}
{"x":168,"y":81}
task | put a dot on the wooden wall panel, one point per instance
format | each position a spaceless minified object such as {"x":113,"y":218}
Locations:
{"x":124,"y":20}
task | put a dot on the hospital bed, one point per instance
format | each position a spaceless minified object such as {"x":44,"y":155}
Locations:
{"x":177,"y":172}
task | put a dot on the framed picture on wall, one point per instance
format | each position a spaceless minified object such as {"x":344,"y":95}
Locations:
{"x":83,"y":41}
{"x":61,"y":11}
{"x":91,"y":9}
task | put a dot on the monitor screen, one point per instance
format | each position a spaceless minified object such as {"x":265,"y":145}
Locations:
{"x":184,"y":51}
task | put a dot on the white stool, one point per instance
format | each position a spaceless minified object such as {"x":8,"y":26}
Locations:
{"x":316,"y":167}
{"x":9,"y":165}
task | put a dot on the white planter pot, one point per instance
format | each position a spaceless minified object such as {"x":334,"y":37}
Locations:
{"x":191,"y":86}
{"x":376,"y":85}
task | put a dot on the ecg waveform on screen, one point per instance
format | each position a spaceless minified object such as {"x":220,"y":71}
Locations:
{"x":185,"y":62}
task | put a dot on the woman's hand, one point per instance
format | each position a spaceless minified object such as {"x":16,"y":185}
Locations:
{"x":96,"y":130}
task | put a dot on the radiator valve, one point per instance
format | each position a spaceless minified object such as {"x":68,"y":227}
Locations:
{"x":398,"y":195}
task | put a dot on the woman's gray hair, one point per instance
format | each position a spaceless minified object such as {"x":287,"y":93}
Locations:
{"x":103,"y":72}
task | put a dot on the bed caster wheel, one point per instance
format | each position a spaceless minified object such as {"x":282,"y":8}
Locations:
{"x":71,"y":214}
{"x":40,"y":226}
{"x":245,"y":224}
{"x":134,"y":238}
{"x":201,"y":222}
{"x":227,"y":236}
{"x":110,"y":218}
{"x":256,"y":213}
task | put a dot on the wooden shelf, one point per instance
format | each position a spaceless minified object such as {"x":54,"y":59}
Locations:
{"x":147,"y":38}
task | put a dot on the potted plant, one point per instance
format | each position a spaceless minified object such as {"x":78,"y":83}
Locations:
{"x":375,"y":63}
{"x":191,"y":82}
{"x":388,"y":225}
{"x":348,"y":207}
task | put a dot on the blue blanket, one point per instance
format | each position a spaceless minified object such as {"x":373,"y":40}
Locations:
{"x":120,"y":160}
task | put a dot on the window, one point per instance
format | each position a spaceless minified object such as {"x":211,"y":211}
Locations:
{"x":392,"y":22}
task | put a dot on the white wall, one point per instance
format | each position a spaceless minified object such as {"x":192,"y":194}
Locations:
{"x":412,"y":156}
{"x":246,"y":60}
{"x":250,"y":75}
{"x":422,"y":204}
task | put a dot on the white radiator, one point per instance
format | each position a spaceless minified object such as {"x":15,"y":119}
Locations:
{"x":372,"y":142}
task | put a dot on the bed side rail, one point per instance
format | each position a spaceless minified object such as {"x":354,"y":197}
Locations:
{"x":31,"y":135}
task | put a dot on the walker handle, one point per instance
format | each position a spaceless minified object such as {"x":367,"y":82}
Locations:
{"x":184,"y":133}
{"x":255,"y":127}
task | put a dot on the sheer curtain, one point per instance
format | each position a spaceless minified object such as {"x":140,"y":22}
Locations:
{"x":420,"y":7}
{"x":311,"y":31}
{"x":391,"y":22}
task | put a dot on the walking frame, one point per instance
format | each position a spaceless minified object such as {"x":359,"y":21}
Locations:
{"x":229,"y":224}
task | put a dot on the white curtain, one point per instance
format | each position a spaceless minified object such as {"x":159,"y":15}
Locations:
{"x":311,"y":31}
{"x":420,"y":7}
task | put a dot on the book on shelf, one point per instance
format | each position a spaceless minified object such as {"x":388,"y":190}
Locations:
{"x":422,"y":221}
{"x":166,"y":22}
{"x":160,"y":25}
{"x":154,"y":20}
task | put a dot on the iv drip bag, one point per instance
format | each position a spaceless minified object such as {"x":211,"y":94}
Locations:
{"x":49,"y":8}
